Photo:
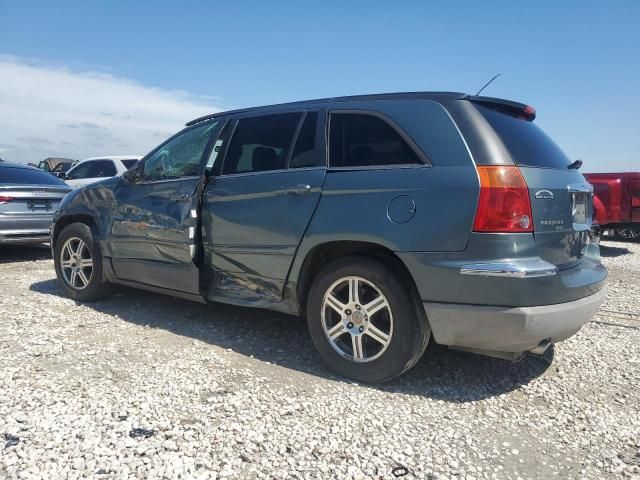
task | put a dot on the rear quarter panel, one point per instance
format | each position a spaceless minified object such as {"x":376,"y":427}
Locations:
{"x":357,"y":203}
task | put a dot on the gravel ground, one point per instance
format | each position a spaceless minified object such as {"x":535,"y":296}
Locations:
{"x":141,"y":385}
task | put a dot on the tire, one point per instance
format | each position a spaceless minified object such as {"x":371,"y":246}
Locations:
{"x":391,"y":341}
{"x":632,"y":233}
{"x":78,"y":263}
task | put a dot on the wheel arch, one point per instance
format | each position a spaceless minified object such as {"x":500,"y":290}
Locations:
{"x":326,"y":252}
{"x":70,"y":218}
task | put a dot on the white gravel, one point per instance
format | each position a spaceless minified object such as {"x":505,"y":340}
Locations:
{"x":225,"y":392}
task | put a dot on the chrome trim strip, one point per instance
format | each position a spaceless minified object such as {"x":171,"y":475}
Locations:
{"x":529,"y":268}
{"x":580,"y":188}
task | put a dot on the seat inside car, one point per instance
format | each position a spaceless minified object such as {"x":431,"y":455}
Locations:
{"x":264,"y":158}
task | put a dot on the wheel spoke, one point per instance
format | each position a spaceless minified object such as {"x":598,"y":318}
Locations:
{"x":356,"y":343}
{"x":81,"y":248}
{"x":376,"y":305}
{"x":337,"y":330}
{"x":83,"y":278}
{"x":86,"y":262}
{"x":74,"y":276}
{"x":353,"y":290}
{"x":377,"y":334}
{"x":67,"y":249}
{"x":336,"y":304}
{"x":65,"y":263}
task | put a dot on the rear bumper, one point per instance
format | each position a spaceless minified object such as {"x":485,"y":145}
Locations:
{"x":502,"y":270}
{"x":25,"y":229}
{"x":493,"y":329}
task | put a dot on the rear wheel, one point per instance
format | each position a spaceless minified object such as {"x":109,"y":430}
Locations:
{"x":632,"y":233}
{"x":78,"y":263}
{"x":365,"y":320}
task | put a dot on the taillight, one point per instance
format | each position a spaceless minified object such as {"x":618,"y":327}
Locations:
{"x":4,"y":200}
{"x":504,"y":204}
{"x":634,"y":187}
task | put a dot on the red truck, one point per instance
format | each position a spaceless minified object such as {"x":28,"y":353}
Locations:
{"x":616,"y":203}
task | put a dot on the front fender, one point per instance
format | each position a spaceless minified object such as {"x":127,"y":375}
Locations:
{"x":93,"y":205}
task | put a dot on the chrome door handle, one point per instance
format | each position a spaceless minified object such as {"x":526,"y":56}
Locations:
{"x":297,"y":189}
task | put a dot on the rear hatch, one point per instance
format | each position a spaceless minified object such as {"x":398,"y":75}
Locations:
{"x":561,"y":198}
{"x":30,"y":199}
{"x":29,"y":192}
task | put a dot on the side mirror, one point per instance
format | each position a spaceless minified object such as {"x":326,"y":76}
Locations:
{"x":133,"y":175}
{"x":61,"y":175}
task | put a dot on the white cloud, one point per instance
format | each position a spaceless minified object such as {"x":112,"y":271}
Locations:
{"x":53,"y":111}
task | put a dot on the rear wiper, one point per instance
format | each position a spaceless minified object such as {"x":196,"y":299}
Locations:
{"x":575,"y":165}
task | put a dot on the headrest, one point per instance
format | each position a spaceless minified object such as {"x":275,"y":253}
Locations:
{"x":264,"y":158}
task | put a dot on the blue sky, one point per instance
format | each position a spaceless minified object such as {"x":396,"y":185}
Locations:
{"x":577,"y":63}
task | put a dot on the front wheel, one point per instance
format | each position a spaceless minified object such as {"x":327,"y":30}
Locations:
{"x":78,"y":263}
{"x":365,"y":321}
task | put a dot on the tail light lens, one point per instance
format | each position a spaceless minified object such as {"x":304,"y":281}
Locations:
{"x":634,"y":186}
{"x":4,"y":200}
{"x":504,"y":204}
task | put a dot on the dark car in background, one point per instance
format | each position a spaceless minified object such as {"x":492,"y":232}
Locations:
{"x":386,"y":220}
{"x":28,"y":199}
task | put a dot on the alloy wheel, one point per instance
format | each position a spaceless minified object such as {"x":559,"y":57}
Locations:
{"x":76,"y":263}
{"x":357,"y":319}
{"x":629,"y":233}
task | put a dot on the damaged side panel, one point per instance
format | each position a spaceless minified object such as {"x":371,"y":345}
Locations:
{"x":251,"y":228}
{"x":153,"y":234}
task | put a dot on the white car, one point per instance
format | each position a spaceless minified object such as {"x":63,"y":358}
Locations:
{"x":94,"y":169}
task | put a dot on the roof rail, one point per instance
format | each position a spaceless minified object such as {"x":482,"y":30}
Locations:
{"x":375,"y":96}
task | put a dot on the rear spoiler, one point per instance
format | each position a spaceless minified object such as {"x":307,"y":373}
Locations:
{"x":516,"y":109}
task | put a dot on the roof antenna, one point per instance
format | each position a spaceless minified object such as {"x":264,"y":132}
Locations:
{"x":487,"y":84}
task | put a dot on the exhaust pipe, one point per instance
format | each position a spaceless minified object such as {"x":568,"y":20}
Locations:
{"x":541,"y":348}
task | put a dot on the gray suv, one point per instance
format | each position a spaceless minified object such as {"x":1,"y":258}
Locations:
{"x":384,"y":219}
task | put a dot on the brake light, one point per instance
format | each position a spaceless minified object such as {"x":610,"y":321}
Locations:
{"x":634,"y":187}
{"x":504,"y":204}
{"x":4,"y":200}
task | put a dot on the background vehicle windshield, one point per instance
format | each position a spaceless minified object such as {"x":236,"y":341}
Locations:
{"x":93,"y":169}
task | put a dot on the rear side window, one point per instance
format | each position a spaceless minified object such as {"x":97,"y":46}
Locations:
{"x":358,"y":140}
{"x":528,"y":145}
{"x":304,"y":153}
{"x":260,"y":143}
{"x":27,"y":176}
{"x":93,"y":169}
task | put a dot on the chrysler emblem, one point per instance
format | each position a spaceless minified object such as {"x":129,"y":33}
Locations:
{"x":544,"y":194}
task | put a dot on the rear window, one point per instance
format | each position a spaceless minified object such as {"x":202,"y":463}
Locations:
{"x":27,"y":176}
{"x":358,"y":140}
{"x":528,"y":145}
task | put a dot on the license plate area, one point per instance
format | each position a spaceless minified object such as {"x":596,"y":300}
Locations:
{"x":39,"y":205}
